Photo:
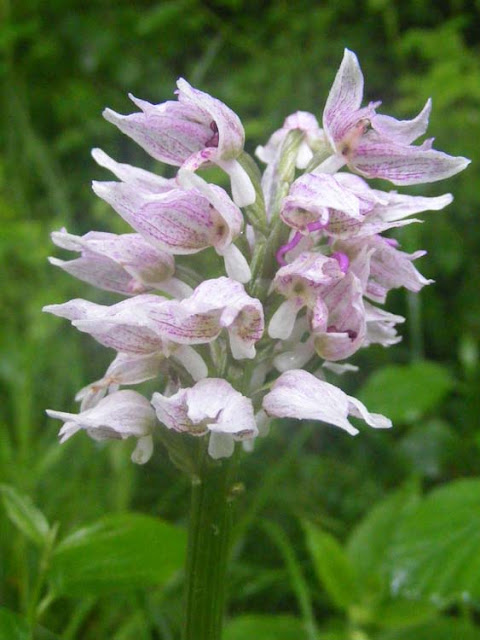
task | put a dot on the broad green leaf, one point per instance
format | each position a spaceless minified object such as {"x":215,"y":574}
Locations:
{"x":117,"y":553}
{"x":24,"y":514}
{"x":405,"y":393}
{"x":333,"y":567}
{"x":435,"y":552}
{"x":434,"y":630}
{"x":371,"y":539}
{"x":429,"y":447}
{"x":265,"y":627}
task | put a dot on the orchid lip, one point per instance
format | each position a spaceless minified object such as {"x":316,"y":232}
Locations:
{"x":316,"y":226}
{"x":287,"y":247}
{"x":311,"y":226}
{"x":342,"y":260}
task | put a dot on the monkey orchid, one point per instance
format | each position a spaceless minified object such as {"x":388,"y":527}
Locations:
{"x":197,"y":130}
{"x":378,"y":146}
{"x":125,"y":264}
{"x":300,"y":395}
{"x":212,"y":407}
{"x":182,"y":220}
{"x":120,"y":415}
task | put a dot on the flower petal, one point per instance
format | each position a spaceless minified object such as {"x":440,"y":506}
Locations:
{"x":298,"y":394}
{"x":377,"y":157}
{"x":344,"y":98}
{"x":403,"y":131}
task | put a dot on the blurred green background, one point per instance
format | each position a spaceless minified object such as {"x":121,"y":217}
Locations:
{"x":411,"y":567}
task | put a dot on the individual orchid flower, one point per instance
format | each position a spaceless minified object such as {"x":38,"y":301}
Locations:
{"x":182,"y":220}
{"x":197,"y":130}
{"x":338,"y":321}
{"x":344,"y":205}
{"x":390,"y":268}
{"x":125,"y":264}
{"x":299,"y":394}
{"x":301,"y":282}
{"x":312,"y":137}
{"x":312,"y":196}
{"x":378,"y":146}
{"x":215,"y":305}
{"x":211,"y":407}
{"x":121,"y":415}
{"x":342,"y":320}
{"x":120,"y":326}
{"x":126,"y":327}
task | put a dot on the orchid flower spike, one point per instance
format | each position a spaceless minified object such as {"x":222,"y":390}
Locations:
{"x":309,"y":261}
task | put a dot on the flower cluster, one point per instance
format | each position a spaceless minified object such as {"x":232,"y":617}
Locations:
{"x":304,"y":265}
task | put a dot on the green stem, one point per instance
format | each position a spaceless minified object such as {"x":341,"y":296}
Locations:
{"x":208,"y":547}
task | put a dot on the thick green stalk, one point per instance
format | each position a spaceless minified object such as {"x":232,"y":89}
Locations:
{"x":208,"y":547}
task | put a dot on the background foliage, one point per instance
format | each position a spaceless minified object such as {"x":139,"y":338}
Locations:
{"x":376,"y":537}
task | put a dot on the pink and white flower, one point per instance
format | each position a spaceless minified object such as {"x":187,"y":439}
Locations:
{"x":182,"y":220}
{"x":126,"y":369}
{"x":302,"y":283}
{"x":215,"y":305}
{"x":127,"y":328}
{"x":344,"y":205}
{"x":195,"y":131}
{"x":334,"y":266}
{"x":125,"y":264}
{"x":298,"y":394}
{"x":121,"y":415}
{"x":378,"y":146}
{"x":389,"y":268}
{"x":312,"y":138}
{"x":211,"y":407}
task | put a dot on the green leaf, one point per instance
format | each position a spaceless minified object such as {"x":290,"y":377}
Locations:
{"x":399,"y":613}
{"x":405,"y":393}
{"x":371,"y":539}
{"x":117,"y":553}
{"x":265,"y":627}
{"x":435,"y":552}
{"x":15,"y":627}
{"x":12,"y":626}
{"x":435,"y":630}
{"x":25,"y":515}
{"x":333,"y":567}
{"x":429,"y":447}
